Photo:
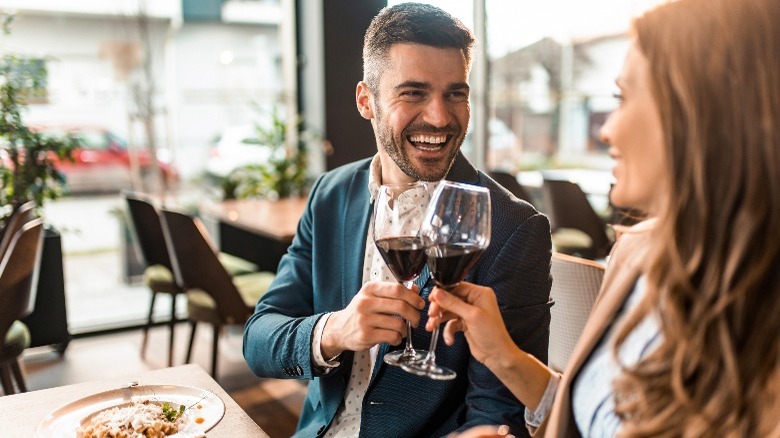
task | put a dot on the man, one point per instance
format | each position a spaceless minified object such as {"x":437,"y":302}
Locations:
{"x":324,"y":320}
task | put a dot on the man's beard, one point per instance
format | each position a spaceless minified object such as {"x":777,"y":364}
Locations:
{"x":433,"y":169}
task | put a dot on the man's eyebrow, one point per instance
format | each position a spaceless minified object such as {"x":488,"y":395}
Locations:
{"x":427,"y":86}
{"x":413,"y":84}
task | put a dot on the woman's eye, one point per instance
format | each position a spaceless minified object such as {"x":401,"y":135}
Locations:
{"x":618,"y":96}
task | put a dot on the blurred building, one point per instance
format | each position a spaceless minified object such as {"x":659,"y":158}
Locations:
{"x":211,"y":64}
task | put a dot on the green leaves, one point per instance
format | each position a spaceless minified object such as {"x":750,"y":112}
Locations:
{"x":172,"y":414}
{"x":284,"y":175}
{"x":28,"y":159}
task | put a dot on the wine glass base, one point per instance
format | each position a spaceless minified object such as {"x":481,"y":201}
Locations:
{"x":432,"y":371}
{"x":397,"y":358}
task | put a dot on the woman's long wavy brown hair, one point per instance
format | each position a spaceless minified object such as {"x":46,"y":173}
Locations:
{"x":714,"y":272}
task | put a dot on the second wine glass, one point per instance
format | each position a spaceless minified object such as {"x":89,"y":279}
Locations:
{"x":455,"y":232}
{"x":398,"y":214}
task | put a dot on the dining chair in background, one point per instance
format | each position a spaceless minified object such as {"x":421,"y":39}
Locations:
{"x":575,"y":286}
{"x":158,"y":274}
{"x":214,"y":296}
{"x":509,"y":182}
{"x":576,"y":227}
{"x":18,"y":283}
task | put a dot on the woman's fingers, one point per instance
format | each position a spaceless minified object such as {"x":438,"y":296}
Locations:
{"x":452,"y":327}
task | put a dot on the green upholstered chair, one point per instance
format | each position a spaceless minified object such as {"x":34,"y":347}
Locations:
{"x":158,"y":275}
{"x":214,"y":296}
{"x":18,"y":281}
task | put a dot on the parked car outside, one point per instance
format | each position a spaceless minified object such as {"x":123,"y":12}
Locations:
{"x":102,"y":161}
{"x":236,"y":147}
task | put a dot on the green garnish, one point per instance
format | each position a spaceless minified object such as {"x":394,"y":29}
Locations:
{"x":170,"y":413}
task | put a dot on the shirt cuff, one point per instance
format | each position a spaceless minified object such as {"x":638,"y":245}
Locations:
{"x":535,"y":418}
{"x":316,"y":351}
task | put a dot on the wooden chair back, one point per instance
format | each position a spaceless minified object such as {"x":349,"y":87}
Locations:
{"x":19,"y":274}
{"x":196,"y":265}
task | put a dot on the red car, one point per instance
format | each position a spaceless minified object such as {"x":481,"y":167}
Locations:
{"x":102,"y":161}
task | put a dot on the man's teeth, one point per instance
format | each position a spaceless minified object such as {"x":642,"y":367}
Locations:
{"x":434,"y":140}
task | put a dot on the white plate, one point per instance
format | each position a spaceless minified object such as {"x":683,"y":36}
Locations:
{"x":64,"y":421}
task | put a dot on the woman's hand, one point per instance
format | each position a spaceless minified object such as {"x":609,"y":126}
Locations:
{"x":483,"y":432}
{"x":473,"y":310}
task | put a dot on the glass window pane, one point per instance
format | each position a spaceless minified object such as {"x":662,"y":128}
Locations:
{"x":552,"y":68}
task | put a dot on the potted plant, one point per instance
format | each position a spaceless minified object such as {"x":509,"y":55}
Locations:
{"x":28,"y":173}
{"x":27,"y":158}
{"x":285,"y":173}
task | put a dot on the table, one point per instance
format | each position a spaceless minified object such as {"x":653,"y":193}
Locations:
{"x":258,"y":230}
{"x":21,"y":413}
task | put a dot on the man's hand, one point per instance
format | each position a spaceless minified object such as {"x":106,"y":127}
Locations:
{"x":372,"y":317}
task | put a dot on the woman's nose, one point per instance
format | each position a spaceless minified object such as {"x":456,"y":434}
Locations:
{"x":605,"y":131}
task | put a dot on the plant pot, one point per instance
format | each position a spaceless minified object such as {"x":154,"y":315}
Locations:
{"x":48,"y":323}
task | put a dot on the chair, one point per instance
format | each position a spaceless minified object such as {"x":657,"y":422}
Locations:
{"x":509,"y":182}
{"x":576,"y":227}
{"x":18,"y":283}
{"x":23,"y":214}
{"x":158,"y":275}
{"x":575,"y":287}
{"x":213,"y":295}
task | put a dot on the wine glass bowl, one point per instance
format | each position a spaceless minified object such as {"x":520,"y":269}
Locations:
{"x":398,"y":214}
{"x":455,"y":233}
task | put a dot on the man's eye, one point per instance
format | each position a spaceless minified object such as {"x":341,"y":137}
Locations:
{"x":412,"y":93}
{"x":458,"y":96}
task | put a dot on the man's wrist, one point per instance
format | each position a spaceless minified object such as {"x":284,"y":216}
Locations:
{"x":321,"y":363}
{"x":328,"y":344}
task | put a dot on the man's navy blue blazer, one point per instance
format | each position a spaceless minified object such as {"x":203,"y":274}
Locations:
{"x":322,"y":271}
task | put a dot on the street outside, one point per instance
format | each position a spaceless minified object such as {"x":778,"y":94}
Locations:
{"x":97,"y":293}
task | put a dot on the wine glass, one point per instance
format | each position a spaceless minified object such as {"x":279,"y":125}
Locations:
{"x":398,"y":213}
{"x":455,"y":232}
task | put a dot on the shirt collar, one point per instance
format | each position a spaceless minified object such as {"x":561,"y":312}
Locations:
{"x":374,"y":177}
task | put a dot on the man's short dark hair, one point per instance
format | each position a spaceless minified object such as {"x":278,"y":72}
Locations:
{"x":411,"y":23}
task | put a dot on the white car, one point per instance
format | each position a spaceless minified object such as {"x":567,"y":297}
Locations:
{"x":236,"y":147}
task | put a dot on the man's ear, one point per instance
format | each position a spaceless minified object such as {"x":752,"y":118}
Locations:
{"x":363,"y":101}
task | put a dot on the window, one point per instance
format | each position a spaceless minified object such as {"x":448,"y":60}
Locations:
{"x":552,"y":66}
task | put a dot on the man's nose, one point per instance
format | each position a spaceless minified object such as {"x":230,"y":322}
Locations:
{"x":437,"y":112}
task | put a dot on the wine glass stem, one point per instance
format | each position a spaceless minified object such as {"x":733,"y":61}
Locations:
{"x":430,"y":358}
{"x":409,"y":349}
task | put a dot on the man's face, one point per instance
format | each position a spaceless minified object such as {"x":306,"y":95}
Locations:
{"x":421,"y":112}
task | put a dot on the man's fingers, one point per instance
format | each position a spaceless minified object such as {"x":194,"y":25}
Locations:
{"x":395,"y":291}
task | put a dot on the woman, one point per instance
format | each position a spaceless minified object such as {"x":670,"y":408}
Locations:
{"x":685,"y":338}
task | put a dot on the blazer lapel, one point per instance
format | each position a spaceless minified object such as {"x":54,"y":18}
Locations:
{"x":357,"y":212}
{"x":626,"y":265}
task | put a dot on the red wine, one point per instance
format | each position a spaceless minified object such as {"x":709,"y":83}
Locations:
{"x":404,"y":255}
{"x":449,"y":263}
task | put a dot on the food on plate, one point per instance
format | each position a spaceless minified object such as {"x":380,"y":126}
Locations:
{"x":143,"y":419}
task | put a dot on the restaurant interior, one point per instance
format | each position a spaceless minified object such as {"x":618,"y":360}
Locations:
{"x":196,"y":128}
